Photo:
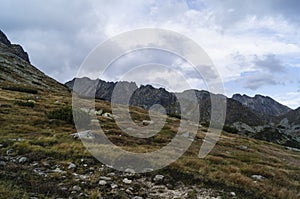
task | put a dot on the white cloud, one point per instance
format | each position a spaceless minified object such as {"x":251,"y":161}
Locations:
{"x":58,"y":35}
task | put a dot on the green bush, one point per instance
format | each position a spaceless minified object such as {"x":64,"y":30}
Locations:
{"x":21,"y":89}
{"x":230,"y":129}
{"x":22,"y":103}
{"x":66,"y":114}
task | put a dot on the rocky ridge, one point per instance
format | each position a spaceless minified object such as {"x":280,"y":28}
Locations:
{"x":259,"y":117}
{"x":262,"y":105}
{"x":15,"y":49}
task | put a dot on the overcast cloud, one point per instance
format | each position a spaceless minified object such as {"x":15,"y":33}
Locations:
{"x":255,"y":45}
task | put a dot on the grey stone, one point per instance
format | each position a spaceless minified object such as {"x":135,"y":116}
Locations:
{"x":76,"y":188}
{"x":2,"y":163}
{"x":258,"y":177}
{"x":71,"y":166}
{"x":10,"y":152}
{"x":22,"y":160}
{"x":105,"y":178}
{"x":127,"y":181}
{"x":158,"y":178}
{"x":102,"y":182}
{"x":113,"y":186}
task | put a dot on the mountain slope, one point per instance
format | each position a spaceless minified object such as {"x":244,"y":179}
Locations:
{"x":16,"y":70}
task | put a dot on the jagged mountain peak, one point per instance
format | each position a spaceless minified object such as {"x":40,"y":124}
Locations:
{"x":4,"y":39}
{"x":262,"y":105}
{"x":15,"y":49}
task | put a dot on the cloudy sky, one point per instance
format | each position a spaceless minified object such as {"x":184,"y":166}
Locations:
{"x":255,"y":45}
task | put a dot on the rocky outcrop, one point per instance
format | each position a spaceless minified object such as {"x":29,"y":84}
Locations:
{"x":3,"y":39}
{"x":15,"y":49}
{"x":262,"y":105}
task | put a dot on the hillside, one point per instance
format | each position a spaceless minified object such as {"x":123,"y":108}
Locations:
{"x":42,"y":157}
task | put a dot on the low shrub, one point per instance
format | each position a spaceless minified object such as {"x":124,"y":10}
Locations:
{"x":230,"y":129}
{"x":25,"y":103}
{"x":66,"y":114}
{"x":21,"y":89}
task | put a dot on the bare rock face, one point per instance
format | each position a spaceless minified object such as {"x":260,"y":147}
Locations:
{"x":3,"y":39}
{"x":14,"y":49}
{"x":262,"y":105}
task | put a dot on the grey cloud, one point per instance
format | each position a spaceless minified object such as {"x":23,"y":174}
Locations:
{"x":53,"y":33}
{"x":269,"y":63}
{"x":258,"y":80}
{"x":231,"y":11}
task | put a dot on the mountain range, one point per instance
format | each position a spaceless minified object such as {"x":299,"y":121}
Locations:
{"x":246,"y":115}
{"x":42,"y":157}
{"x":257,"y":116}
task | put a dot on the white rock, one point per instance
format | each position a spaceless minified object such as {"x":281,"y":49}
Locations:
{"x":147,"y":122}
{"x":258,"y":177}
{"x":2,"y":163}
{"x":22,"y":160}
{"x":76,"y":188}
{"x":232,"y":193}
{"x":158,"y":178}
{"x":105,"y":178}
{"x":71,"y":166}
{"x":127,"y":181}
{"x":113,"y":186}
{"x":102,"y":182}
{"x":9,"y":152}
{"x":58,"y":170}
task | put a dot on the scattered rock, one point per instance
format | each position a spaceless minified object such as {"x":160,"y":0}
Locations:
{"x":242,"y":147}
{"x":76,"y":188}
{"x":64,"y":188}
{"x":71,"y":166}
{"x":22,"y":160}
{"x":232,"y":193}
{"x":127,"y":181}
{"x":102,"y":182}
{"x":158,"y":178}
{"x":147,"y":122}
{"x":58,"y":170}
{"x":258,"y":177}
{"x":89,"y":135}
{"x":108,"y":116}
{"x":31,"y":101}
{"x":99,"y":113}
{"x":10,"y":152}
{"x":113,"y":186}
{"x":129,"y":191}
{"x":2,"y":163}
{"x":137,"y":197}
{"x":293,"y":149}
{"x":105,"y":178}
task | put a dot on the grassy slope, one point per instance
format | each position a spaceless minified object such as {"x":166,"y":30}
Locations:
{"x":228,"y":166}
